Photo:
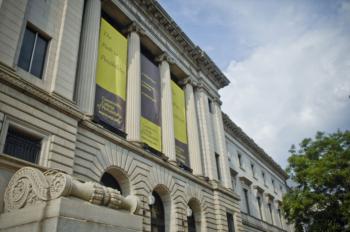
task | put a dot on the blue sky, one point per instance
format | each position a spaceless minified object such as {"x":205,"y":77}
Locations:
{"x":288,"y":63}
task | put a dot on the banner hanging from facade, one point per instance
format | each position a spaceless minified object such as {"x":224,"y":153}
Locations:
{"x":180,"y":124}
{"x":151,"y":133}
{"x":111,"y":77}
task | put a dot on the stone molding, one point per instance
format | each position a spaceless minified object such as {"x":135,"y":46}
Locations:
{"x":29,"y":186}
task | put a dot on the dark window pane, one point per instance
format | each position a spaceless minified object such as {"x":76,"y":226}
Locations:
{"x":109,"y":181}
{"x":218,"y":165}
{"x":26,"y":49}
{"x":191,"y":223}
{"x":157,"y":214}
{"x":39,"y":57}
{"x":22,"y":146}
{"x":230,"y":222}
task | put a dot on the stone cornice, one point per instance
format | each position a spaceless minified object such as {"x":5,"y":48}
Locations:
{"x":157,"y":14}
{"x":232,"y":129}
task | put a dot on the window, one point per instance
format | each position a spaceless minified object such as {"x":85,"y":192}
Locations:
{"x":157,"y":214}
{"x":273,"y":185}
{"x":259,"y":204}
{"x":233,"y":178}
{"x":109,"y":181}
{"x":245,"y":191}
{"x":270,"y":210}
{"x":253,"y":170}
{"x":210,"y":106}
{"x":263,"y":176}
{"x":230,"y":222}
{"x":22,"y":145}
{"x":33,"y":52}
{"x":191,"y":222}
{"x":280,"y":216}
{"x":217,"y":159}
{"x":240,"y":160}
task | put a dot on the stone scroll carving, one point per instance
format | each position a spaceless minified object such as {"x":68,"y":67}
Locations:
{"x":30,"y":186}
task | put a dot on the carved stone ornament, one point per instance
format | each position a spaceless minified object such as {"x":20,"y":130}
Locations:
{"x":29,"y":186}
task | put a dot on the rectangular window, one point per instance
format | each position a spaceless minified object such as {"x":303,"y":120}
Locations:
{"x":273,"y":185}
{"x":210,"y":106}
{"x":240,"y":160}
{"x":253,"y":170}
{"x":259,"y":204}
{"x":22,"y":145}
{"x":280,"y":216}
{"x":263,"y":177}
{"x":246,"y":200}
{"x":270,"y":209}
{"x":217,"y":159}
{"x":33,"y":52}
{"x":230,"y":222}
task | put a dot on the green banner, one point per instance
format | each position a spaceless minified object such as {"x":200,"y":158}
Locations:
{"x":111,"y":77}
{"x":151,"y":133}
{"x":180,"y":125}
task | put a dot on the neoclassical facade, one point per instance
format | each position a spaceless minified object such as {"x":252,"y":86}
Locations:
{"x":108,"y":101}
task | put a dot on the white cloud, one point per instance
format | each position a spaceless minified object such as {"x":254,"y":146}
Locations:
{"x":288,"y":62}
{"x":288,"y":90}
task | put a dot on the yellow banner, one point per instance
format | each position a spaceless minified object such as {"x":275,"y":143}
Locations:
{"x":151,"y":134}
{"x":180,"y":125}
{"x":111,"y":77}
{"x":179,"y":111}
{"x":112,"y":59}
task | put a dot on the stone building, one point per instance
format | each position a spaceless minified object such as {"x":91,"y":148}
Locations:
{"x":111,"y":93}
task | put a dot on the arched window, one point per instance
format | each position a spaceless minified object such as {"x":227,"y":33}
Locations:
{"x":157,"y":214}
{"x":109,"y":181}
{"x":191,"y":222}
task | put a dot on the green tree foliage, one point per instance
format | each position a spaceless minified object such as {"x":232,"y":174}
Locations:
{"x":320,"y":168}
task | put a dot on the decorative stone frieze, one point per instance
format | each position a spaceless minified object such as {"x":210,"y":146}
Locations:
{"x":29,"y":186}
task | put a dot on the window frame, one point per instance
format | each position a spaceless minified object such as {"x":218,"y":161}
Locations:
{"x":230,"y":217}
{"x":8,"y":122}
{"x":38,"y":34}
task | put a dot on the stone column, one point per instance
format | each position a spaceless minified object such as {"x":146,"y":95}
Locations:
{"x":221,"y":143}
{"x":86,"y":73}
{"x":168,"y":136}
{"x":205,"y":129}
{"x":133,"y":102}
{"x":192,"y":130}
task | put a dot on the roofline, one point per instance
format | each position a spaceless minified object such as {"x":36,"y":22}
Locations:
{"x":194,"y":52}
{"x":236,"y":132}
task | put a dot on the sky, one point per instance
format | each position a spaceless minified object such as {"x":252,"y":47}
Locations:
{"x":288,"y":63}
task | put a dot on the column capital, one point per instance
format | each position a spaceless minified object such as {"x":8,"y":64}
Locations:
{"x":165,"y":57}
{"x":188,"y":81}
{"x":134,"y":27}
{"x":217,"y":101}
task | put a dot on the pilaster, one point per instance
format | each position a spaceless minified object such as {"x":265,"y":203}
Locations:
{"x":221,"y":144}
{"x":133,"y":103}
{"x":192,"y":130}
{"x":86,"y":73}
{"x":205,"y":129}
{"x":168,"y":137}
